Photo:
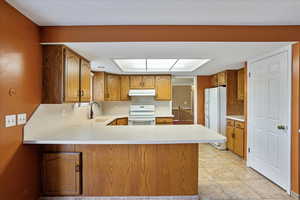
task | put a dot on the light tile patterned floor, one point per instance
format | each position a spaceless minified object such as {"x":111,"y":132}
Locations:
{"x":224,"y":176}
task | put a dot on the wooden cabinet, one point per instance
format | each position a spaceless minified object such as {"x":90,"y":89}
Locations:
{"x":240,"y":85}
{"x":61,"y":174}
{"x":64,"y":72}
{"x":112,"y":87}
{"x":163,"y":88}
{"x":218,"y":79}
{"x":221,"y":78}
{"x":125,"y":81}
{"x":98,"y":86}
{"x":214,"y":80}
{"x":85,"y":81}
{"x":119,"y":121}
{"x":142,"y":82}
{"x":164,"y":120}
{"x":122,"y":121}
{"x":235,"y":137}
{"x":149,"y":82}
{"x":72,"y":75}
{"x":239,"y":141}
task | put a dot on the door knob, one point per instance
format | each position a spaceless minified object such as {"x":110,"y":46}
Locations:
{"x":281,"y":127}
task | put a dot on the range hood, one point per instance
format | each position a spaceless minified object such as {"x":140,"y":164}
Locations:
{"x":142,"y":93}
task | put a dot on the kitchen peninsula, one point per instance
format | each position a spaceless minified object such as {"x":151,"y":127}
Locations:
{"x":85,"y":158}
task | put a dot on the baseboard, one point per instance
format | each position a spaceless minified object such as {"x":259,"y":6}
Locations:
{"x":295,"y":195}
{"x":191,"y":197}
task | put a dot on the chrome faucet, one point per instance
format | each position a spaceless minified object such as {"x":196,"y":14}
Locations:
{"x":91,"y":109}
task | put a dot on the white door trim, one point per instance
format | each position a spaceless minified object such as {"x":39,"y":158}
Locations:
{"x":287,"y":49}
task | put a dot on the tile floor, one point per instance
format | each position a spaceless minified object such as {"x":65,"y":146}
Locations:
{"x":224,"y":176}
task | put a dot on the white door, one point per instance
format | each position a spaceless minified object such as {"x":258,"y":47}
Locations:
{"x":269,"y":110}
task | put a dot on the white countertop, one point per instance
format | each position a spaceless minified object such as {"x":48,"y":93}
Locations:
{"x":46,"y":128}
{"x":240,"y":118}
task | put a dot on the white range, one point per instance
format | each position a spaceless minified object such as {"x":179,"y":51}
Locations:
{"x":141,"y":115}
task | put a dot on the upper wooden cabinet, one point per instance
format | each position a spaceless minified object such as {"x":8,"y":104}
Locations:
{"x":240,"y":84}
{"x":85,"y":81}
{"x":221,"y":77}
{"x":214,"y":80}
{"x":148,"y":82}
{"x":125,"y":81}
{"x":112,"y":87}
{"x":142,"y":82}
{"x":163,"y":87}
{"x":98,"y":86}
{"x":64,"y":72}
{"x":61,"y":174}
{"x":72,"y":75}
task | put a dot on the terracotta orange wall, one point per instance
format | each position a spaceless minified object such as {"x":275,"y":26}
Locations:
{"x":202,"y":83}
{"x":295,"y":118}
{"x":170,"y":33}
{"x":20,"y":69}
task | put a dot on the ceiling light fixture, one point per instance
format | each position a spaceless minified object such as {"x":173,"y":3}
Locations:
{"x":159,"y":65}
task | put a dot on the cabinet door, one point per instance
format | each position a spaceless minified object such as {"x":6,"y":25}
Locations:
{"x":222,"y":78}
{"x":124,"y":88}
{"x":112,"y":86}
{"x":230,"y":137}
{"x":98,"y":86}
{"x":163,"y":88}
{"x":72,"y":62}
{"x":61,"y":173}
{"x":239,"y":141}
{"x":122,"y":121}
{"x":85,"y":74}
{"x":240,"y":85}
{"x":164,"y":120}
{"x":214,"y":80}
{"x":136,"y":82}
{"x":148,"y":82}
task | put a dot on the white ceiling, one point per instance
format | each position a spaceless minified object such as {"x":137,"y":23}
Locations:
{"x":159,"y":12}
{"x":223,"y":55}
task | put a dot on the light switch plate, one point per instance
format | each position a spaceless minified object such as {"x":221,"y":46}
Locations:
{"x":10,"y":120}
{"x":22,"y":118}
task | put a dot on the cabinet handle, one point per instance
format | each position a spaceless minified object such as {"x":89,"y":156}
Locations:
{"x":77,"y":168}
{"x":233,"y":135}
{"x":82,"y":93}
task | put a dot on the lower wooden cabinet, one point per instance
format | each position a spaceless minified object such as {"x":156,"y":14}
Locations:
{"x":61,"y":174}
{"x":164,"y":120}
{"x":235,"y":137}
{"x":122,"y":121}
{"x":119,"y":121}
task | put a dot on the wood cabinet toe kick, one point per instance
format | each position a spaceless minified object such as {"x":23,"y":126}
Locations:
{"x":121,"y":170}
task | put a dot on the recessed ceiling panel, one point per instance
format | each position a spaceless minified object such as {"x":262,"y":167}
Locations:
{"x":131,"y":65}
{"x":188,"y":64}
{"x":158,"y":65}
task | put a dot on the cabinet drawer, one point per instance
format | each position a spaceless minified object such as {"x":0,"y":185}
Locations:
{"x":164,"y":120}
{"x":230,"y":122}
{"x":239,"y":124}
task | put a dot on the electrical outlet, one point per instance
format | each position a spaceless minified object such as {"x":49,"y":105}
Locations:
{"x":10,"y":120}
{"x":21,"y":118}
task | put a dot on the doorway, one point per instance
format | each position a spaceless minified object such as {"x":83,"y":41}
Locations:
{"x":183,"y":100}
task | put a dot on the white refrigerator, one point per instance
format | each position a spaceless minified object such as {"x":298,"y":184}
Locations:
{"x":215,"y":112}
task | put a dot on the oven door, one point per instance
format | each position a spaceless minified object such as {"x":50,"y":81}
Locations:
{"x":141,"y":121}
